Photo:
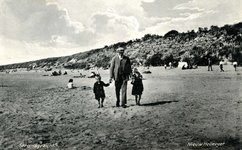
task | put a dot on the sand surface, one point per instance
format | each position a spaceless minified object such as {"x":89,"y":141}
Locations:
{"x":181,"y":109}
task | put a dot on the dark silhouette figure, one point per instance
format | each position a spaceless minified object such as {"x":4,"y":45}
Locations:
{"x":138,"y":87}
{"x":210,"y":65}
{"x":221,"y":63}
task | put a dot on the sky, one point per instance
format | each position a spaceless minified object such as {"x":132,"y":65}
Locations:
{"x":36,"y":29}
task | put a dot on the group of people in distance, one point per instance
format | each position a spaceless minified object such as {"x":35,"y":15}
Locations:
{"x":170,"y":65}
{"x":221,"y":63}
{"x":120,"y":72}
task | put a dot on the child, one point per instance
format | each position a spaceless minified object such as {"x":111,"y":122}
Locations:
{"x":99,"y":91}
{"x":221,"y":63}
{"x":170,"y":64}
{"x":70,"y":84}
{"x":137,"y":85}
{"x":235,"y":65}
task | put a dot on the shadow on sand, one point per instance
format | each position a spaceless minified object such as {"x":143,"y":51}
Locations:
{"x":158,"y":103}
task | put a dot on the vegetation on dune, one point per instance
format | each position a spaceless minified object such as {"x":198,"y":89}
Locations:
{"x":154,"y":50}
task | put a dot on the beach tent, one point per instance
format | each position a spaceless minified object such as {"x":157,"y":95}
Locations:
{"x":181,"y":64}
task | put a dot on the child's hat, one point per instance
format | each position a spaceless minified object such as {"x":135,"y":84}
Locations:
{"x":98,"y":76}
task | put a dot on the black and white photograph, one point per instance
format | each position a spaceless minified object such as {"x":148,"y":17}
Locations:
{"x":120,"y":74}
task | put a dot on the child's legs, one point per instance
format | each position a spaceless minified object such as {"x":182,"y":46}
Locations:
{"x":102,"y":100}
{"x":136,"y":98}
{"x":139,"y":97}
{"x":98,"y":99}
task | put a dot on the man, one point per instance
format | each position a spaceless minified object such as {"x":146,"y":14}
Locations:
{"x":210,"y":65}
{"x":120,"y":71}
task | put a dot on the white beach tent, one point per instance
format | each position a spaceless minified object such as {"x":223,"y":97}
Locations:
{"x":181,"y":64}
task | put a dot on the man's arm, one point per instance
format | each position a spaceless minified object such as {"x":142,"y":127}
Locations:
{"x":112,"y":69}
{"x":105,"y":84}
{"x":94,"y":88}
{"x":129,"y":66}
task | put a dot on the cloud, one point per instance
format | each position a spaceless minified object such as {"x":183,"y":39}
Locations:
{"x":187,"y":8}
{"x":35,"y":21}
{"x":77,"y":25}
{"x":195,"y":14}
{"x":124,"y":8}
{"x":148,"y":1}
{"x":82,"y":10}
{"x":110,"y":27}
{"x":221,"y":11}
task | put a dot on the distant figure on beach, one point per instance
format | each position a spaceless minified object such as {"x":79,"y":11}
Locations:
{"x":120,"y":71}
{"x":170,"y":64}
{"x":210,"y":65}
{"x":55,"y":73}
{"x":165,"y":66}
{"x":92,"y":75}
{"x":235,"y":65}
{"x":98,"y":90}
{"x":138,"y":87}
{"x":221,"y":63}
{"x":70,"y":84}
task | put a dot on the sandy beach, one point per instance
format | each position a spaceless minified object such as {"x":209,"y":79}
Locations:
{"x":181,"y":109}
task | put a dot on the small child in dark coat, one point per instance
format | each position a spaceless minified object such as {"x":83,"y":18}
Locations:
{"x":98,"y":90}
{"x":137,"y":85}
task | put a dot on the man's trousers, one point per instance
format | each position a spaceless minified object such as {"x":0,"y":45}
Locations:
{"x":121,"y":86}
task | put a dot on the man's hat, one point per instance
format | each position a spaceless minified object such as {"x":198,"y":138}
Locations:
{"x":120,"y":49}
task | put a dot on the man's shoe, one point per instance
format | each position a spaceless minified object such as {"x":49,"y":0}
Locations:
{"x":117,"y":104}
{"x":124,"y":106}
